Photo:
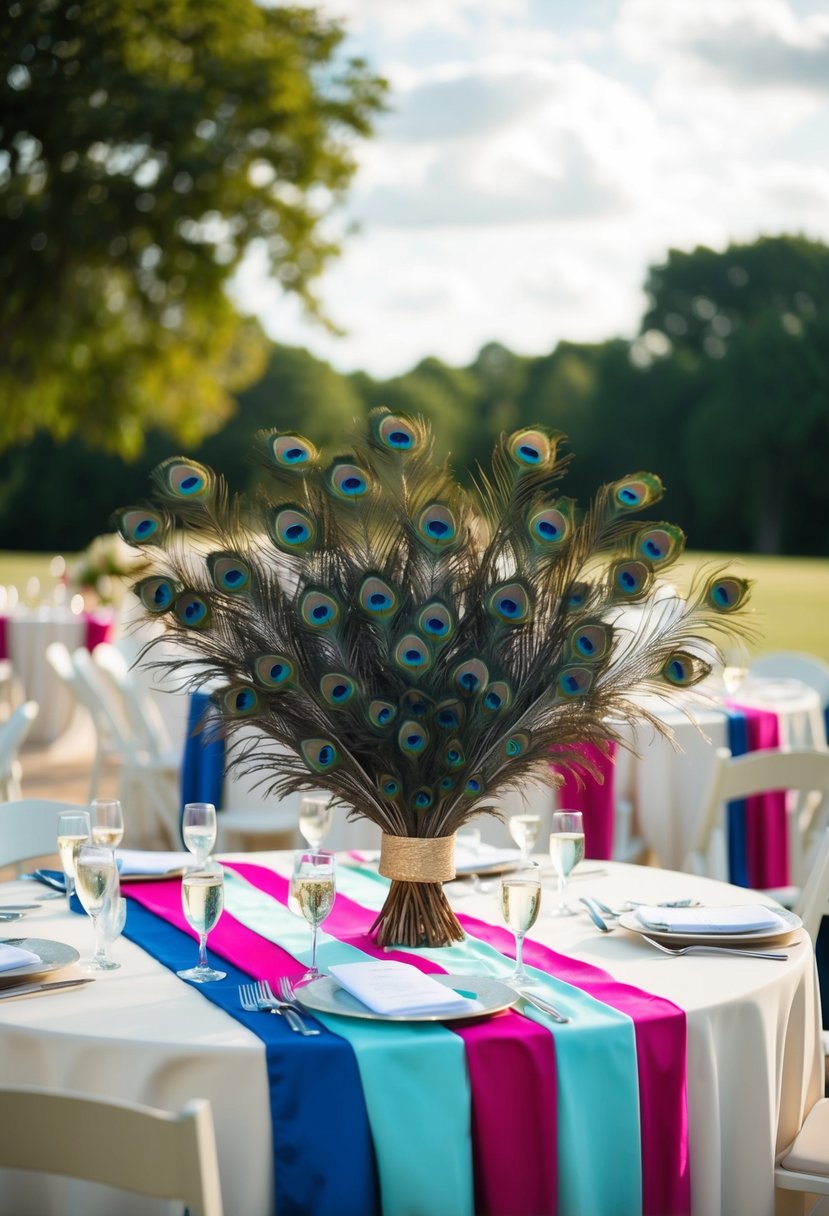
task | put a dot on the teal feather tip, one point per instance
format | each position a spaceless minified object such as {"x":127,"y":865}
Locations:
{"x":182,"y":480}
{"x":684,"y":670}
{"x":274,"y":672}
{"x":230,"y":573}
{"x":286,"y":450}
{"x":397,"y":433}
{"x":381,"y":713}
{"x":510,"y":603}
{"x":238,"y":701}
{"x":156,"y":593}
{"x":292,"y":529}
{"x":377,"y":598}
{"x":347,"y":481}
{"x":727,"y":594}
{"x":337,"y":689}
{"x":318,"y":609}
{"x":637,"y":491}
{"x":321,"y":755}
{"x":192,"y":610}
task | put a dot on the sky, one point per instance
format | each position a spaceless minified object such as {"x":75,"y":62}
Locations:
{"x":539,"y":155}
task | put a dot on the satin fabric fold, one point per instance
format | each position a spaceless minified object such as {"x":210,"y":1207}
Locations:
{"x":203,"y":759}
{"x":764,"y":860}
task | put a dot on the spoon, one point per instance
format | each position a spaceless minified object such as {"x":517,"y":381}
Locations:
{"x":594,"y":914}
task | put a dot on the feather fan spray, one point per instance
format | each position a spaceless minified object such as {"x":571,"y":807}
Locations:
{"x":416,"y":647}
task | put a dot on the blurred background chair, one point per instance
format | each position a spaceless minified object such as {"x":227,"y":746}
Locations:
{"x":13,"y":733}
{"x":29,"y":829}
{"x":804,"y":1166}
{"x":797,"y":665}
{"x":120,"y":1144}
{"x":141,"y":711}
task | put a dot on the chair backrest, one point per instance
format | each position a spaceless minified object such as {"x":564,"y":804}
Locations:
{"x":12,"y":735}
{"x":29,"y":828}
{"x":813,"y":904}
{"x":795,"y":665}
{"x":805,"y":771}
{"x":111,"y":715}
{"x":142,"y":715}
{"x":120,"y":1144}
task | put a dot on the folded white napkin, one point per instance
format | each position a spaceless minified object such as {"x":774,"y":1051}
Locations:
{"x":732,"y":918}
{"x":397,"y":988}
{"x":133,"y":862}
{"x":484,"y":857}
{"x":15,"y":956}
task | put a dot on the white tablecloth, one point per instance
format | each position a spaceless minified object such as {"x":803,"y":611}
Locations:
{"x":755,"y":1062}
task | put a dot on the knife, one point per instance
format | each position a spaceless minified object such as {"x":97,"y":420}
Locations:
{"x":29,"y":989}
{"x":19,"y":907}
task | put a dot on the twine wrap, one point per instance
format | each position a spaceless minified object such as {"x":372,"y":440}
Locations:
{"x":417,"y":858}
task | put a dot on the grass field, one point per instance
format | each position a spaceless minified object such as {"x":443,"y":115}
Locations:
{"x":790,"y":595}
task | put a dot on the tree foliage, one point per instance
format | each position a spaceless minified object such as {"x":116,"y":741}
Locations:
{"x":145,"y":147}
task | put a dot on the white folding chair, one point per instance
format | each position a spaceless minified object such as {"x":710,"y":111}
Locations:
{"x":798,"y":665}
{"x":804,"y":1165}
{"x":143,"y":714}
{"x":29,"y":828}
{"x":108,"y":736}
{"x":803,"y":771}
{"x":120,"y":1144}
{"x":13,"y":733}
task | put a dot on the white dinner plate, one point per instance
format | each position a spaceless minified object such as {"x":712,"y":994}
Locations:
{"x":494,"y":861}
{"x":326,"y":996}
{"x":51,"y":955}
{"x":629,"y":920}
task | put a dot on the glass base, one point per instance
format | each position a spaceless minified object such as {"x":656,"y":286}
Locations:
{"x":93,"y":964}
{"x":308,"y":978}
{"x":201,"y":975}
{"x":563,"y":910}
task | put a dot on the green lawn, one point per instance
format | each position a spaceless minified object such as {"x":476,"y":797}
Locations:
{"x":790,"y":595}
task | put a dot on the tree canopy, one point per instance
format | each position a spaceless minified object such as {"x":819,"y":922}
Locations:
{"x":146,"y":146}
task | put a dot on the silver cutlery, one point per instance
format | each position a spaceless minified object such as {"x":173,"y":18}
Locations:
{"x":701,"y":948}
{"x":288,"y":993}
{"x":595,"y":915}
{"x":31,"y":989}
{"x":544,"y":1006}
{"x":7,"y":916}
{"x":18,"y":907}
{"x":252,"y":1001}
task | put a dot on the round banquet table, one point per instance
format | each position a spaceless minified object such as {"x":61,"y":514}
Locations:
{"x":755,"y":1063}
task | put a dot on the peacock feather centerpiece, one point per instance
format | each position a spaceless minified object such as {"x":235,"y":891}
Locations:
{"x":412,"y":646}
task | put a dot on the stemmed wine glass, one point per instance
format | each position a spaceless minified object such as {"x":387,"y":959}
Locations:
{"x":113,"y":918}
{"x":566,"y":851}
{"x":735,"y":671}
{"x":315,"y":816}
{"x":202,"y":900}
{"x":524,"y":830}
{"x":107,"y":822}
{"x":198,"y":829}
{"x":520,"y":904}
{"x":96,"y":877}
{"x":312,"y":893}
{"x":74,"y":830}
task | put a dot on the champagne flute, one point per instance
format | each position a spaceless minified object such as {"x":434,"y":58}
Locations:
{"x":735,"y":670}
{"x":113,"y":918}
{"x":315,"y":815}
{"x":524,"y":830}
{"x":74,"y":829}
{"x":107,"y":822}
{"x":520,"y":904}
{"x":312,"y":893}
{"x":202,"y":899}
{"x":96,"y":876}
{"x":566,"y":851}
{"x":198,"y":829}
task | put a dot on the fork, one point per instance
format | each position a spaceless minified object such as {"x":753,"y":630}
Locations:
{"x":251,"y":1002}
{"x":266,"y":996}
{"x":676,"y":951}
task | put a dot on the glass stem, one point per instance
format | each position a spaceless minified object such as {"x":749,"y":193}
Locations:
{"x":69,"y":883}
{"x":519,"y":955}
{"x":203,"y":950}
{"x":314,"y":948}
{"x":100,"y":944}
{"x":562,"y":886}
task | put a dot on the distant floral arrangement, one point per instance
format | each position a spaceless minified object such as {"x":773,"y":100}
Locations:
{"x":101,"y":572}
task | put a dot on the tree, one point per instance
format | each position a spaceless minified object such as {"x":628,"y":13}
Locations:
{"x":146,"y":146}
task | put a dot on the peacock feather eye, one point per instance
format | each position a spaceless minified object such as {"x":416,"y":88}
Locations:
{"x":192,"y":610}
{"x":552,"y":526}
{"x":530,"y":448}
{"x":435,"y":622}
{"x":510,"y":603}
{"x":516,"y":745}
{"x":291,"y":451}
{"x":475,"y":785}
{"x":239,"y":700}
{"x":229,"y":573}
{"x":422,"y":798}
{"x":471,"y":676}
{"x":138,"y":526}
{"x":318,"y":609}
{"x":591,"y":641}
{"x":498,"y":696}
{"x":660,"y":544}
{"x":397,"y":433}
{"x":412,"y":738}
{"x":453,"y":756}
{"x":389,"y":787}
{"x":449,"y":714}
{"x":293,"y":530}
{"x":180,"y":479}
{"x":376,"y":597}
{"x":157,"y":593}
{"x":727,"y":594}
{"x":447,"y":784}
{"x":381,"y":713}
{"x":412,"y":655}
{"x":574,"y":681}
{"x":321,"y":755}
{"x":630,"y":579}
{"x":682,"y":669}
{"x":416,"y":704}
{"x":436,"y":525}
{"x":576,"y":596}
{"x":274,"y":671}
{"x":636,"y":491}
{"x":337,"y":689}
{"x":347,"y":481}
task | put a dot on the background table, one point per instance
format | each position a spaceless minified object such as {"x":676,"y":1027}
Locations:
{"x":755,"y":1064}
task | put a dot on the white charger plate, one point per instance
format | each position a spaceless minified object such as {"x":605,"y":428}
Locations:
{"x":674,"y":937}
{"x":52,"y":956}
{"x":326,"y":996}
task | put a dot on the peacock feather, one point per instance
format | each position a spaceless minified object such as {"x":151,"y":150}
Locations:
{"x":412,"y":646}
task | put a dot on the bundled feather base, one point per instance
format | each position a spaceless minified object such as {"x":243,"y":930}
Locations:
{"x":413,"y":647}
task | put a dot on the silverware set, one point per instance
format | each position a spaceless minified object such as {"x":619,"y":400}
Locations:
{"x":260,"y":998}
